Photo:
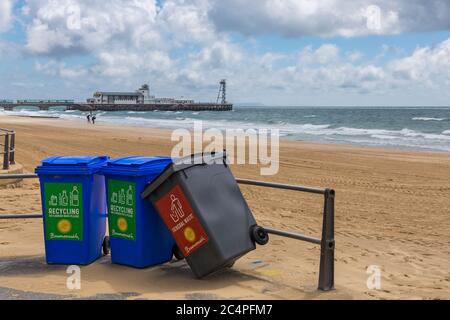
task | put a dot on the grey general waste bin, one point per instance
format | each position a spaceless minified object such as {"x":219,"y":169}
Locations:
{"x":201,"y":204}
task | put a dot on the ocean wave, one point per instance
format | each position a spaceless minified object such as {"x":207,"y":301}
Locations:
{"x":413,"y":135}
{"x":427,"y":119}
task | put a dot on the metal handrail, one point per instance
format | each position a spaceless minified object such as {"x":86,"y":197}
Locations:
{"x":326,"y":242}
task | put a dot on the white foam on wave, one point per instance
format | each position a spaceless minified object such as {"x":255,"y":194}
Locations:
{"x":308,"y":131}
{"x":427,"y":119}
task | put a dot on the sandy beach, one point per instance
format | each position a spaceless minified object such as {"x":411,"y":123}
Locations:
{"x":392,"y":211}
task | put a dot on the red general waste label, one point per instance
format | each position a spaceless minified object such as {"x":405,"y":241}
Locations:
{"x":179,"y":217}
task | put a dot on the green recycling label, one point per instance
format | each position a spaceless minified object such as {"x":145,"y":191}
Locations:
{"x":63,"y":211}
{"x":122,"y":209}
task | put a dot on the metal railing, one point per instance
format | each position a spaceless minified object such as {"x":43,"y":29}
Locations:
{"x":326,"y":242}
{"x":8,"y":144}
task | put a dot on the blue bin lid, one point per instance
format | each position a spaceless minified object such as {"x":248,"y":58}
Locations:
{"x":71,"y":165}
{"x":136,"y":166}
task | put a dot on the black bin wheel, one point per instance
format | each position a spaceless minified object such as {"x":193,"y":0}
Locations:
{"x":260,"y":235}
{"x":177,"y":253}
{"x":106,"y":246}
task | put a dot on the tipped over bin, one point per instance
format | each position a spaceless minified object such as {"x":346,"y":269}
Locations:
{"x":74,"y":208}
{"x":201,"y":204}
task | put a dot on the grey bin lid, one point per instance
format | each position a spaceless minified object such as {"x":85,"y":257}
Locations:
{"x":181,"y":164}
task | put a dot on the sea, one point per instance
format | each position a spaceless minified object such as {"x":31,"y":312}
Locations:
{"x":413,"y":128}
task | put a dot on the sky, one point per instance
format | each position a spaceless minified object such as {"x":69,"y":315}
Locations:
{"x":274,"y":52}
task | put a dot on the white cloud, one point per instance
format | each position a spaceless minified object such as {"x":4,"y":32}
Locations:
{"x":65,"y":26}
{"x":185,"y":44}
{"x":325,"y":54}
{"x":60,"y":69}
{"x":72,"y":26}
{"x":354,"y":56}
{"x":427,"y":65}
{"x":124,"y":63}
{"x":186,"y":21}
{"x":6,"y":7}
{"x":296,"y":18}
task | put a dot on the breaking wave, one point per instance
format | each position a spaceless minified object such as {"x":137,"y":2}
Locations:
{"x":427,"y":119}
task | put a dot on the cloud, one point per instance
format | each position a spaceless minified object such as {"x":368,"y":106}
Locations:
{"x":6,"y":7}
{"x":325,"y":54}
{"x":69,"y":26}
{"x":185,"y":22}
{"x":427,"y":65}
{"x":124,"y":63}
{"x":131,"y":38}
{"x":60,"y":69}
{"x":297,"y":18}
{"x":187,"y":45}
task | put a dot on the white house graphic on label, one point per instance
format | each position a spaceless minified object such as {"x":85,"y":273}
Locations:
{"x":176,"y":208}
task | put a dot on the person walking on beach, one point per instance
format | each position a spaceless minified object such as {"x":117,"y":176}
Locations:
{"x":93,"y":119}
{"x":88,"y":117}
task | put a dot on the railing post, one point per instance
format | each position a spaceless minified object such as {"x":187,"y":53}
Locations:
{"x":12,"y":159}
{"x":326,"y":273}
{"x":6,"y":153}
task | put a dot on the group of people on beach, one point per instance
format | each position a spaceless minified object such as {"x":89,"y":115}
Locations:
{"x":91,"y":118}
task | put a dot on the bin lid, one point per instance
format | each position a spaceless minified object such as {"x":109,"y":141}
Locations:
{"x":136,"y":166}
{"x":71,"y":165}
{"x":183,"y":164}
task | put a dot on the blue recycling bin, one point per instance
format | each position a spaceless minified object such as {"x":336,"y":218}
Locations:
{"x":74,"y":208}
{"x":138,"y":236}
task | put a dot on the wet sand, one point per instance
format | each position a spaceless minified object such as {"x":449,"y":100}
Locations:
{"x":392,"y":210}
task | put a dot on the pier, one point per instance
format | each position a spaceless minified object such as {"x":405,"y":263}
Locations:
{"x":10,"y":106}
{"x":139,"y":100}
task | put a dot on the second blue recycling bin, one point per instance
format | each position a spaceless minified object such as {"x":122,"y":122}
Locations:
{"x":138,"y":236}
{"x":74,"y":208}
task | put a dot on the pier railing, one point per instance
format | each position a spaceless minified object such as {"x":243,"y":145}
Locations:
{"x":7,"y":142}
